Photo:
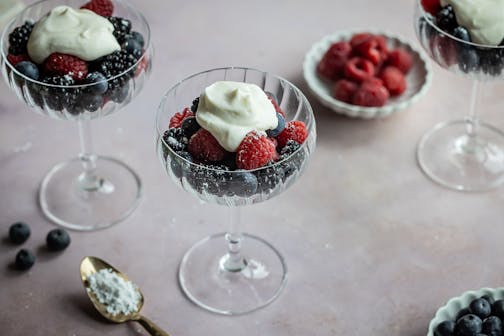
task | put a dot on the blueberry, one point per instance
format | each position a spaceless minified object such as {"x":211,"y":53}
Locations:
{"x":480,"y":307}
{"x":468,"y":325}
{"x":24,"y":260}
{"x":19,"y":232}
{"x":100,"y":83}
{"x":241,"y":183}
{"x":445,"y":328}
{"x":190,"y":126}
{"x":280,"y":126}
{"x":132,"y":47}
{"x":498,"y":309}
{"x":468,"y":58}
{"x":489,"y":299}
{"x":28,"y":69}
{"x":462,"y":313}
{"x":445,"y":19}
{"x":492,"y":326}
{"x":57,"y":240}
{"x":138,"y":37}
{"x":90,"y":102}
{"x":462,"y":33}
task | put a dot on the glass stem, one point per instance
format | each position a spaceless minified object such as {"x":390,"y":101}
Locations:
{"x":88,"y":180}
{"x":234,"y":261}
{"x":472,"y":121}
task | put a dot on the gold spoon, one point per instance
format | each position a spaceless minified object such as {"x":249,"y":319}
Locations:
{"x":91,"y":265}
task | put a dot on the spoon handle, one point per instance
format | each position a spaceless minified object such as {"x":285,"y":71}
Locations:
{"x":151,"y":327}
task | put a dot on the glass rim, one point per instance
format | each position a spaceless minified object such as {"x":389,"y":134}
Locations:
{"x":8,"y":28}
{"x":310,"y":126}
{"x":427,"y":16}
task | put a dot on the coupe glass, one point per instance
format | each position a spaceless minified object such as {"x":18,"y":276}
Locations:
{"x":88,"y":192}
{"x":465,"y":154}
{"x":217,"y":273}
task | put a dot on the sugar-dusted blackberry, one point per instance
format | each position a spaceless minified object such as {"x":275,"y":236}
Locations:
{"x":19,"y":38}
{"x":208,"y":178}
{"x":293,"y":159}
{"x":176,"y":139}
{"x":195,"y":103}
{"x":269,"y":177}
{"x":122,"y":27}
{"x":119,"y":94}
{"x":190,"y":126}
{"x":445,"y":19}
{"x":177,"y":163}
{"x":59,"y":97}
{"x":115,"y":64}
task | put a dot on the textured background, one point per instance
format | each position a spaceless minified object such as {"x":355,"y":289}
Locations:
{"x":373,"y":247}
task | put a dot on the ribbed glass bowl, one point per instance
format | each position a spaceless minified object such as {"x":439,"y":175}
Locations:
{"x":228,"y":187}
{"x":76,"y":102}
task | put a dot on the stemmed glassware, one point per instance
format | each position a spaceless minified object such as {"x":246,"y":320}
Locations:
{"x":465,"y":154}
{"x":233,"y":272}
{"x":91,"y":191}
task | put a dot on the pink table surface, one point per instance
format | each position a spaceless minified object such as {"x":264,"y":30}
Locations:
{"x":373,"y":247}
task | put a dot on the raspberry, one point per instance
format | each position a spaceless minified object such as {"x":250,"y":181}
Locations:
{"x":143,"y":65}
{"x":176,"y":120}
{"x":344,"y":90}
{"x":431,"y":6}
{"x":204,"y":147}
{"x":294,"y":130}
{"x":370,"y":93}
{"x":63,"y":64}
{"x":394,"y":80}
{"x":357,"y":39}
{"x":359,"y":69}
{"x":255,"y":151}
{"x":100,"y":7}
{"x":401,"y":59}
{"x":333,"y":62}
{"x":373,"y":49}
{"x":15,"y":59}
{"x":443,"y":49}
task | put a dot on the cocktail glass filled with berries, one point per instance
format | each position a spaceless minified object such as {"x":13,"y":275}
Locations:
{"x":79,"y":61}
{"x":466,"y":38}
{"x":234,"y":136}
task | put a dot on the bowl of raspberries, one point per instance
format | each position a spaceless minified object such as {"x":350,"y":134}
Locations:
{"x":366,"y":74}
{"x":474,"y":313}
{"x":78,"y":59}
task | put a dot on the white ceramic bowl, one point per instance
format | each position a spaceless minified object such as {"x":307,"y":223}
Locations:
{"x":418,"y":78}
{"x":454,"y":305}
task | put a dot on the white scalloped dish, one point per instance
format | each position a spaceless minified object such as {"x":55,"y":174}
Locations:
{"x":454,"y":305}
{"x":418,"y":78}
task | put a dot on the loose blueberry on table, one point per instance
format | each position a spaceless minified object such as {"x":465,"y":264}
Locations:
{"x":24,"y":260}
{"x":19,"y":232}
{"x":483,"y":316}
{"x":363,"y":71}
{"x":57,"y":240}
{"x":69,"y":70}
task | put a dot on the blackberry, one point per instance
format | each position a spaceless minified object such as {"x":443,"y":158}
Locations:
{"x":195,"y":103}
{"x":176,"y":139}
{"x":19,"y":38}
{"x":59,"y":98}
{"x":179,"y":166}
{"x":114,"y":64}
{"x":293,"y":160}
{"x":269,"y":177}
{"x":122,"y":27}
{"x":445,"y":19}
{"x":208,"y":178}
{"x":190,"y":126}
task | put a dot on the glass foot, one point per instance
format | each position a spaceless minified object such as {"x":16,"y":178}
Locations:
{"x":66,"y":202}
{"x":458,"y":161}
{"x":205,"y":280}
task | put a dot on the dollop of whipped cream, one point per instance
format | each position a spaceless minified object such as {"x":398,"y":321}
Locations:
{"x":230,"y":110}
{"x":78,"y":32}
{"x":483,"y":18}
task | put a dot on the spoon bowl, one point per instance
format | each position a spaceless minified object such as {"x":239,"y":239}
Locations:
{"x":91,"y":265}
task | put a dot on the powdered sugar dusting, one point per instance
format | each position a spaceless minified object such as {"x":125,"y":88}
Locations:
{"x":117,"y":294}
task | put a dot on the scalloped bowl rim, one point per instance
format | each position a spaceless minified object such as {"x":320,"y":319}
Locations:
{"x":453,"y":305}
{"x":337,"y":106}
